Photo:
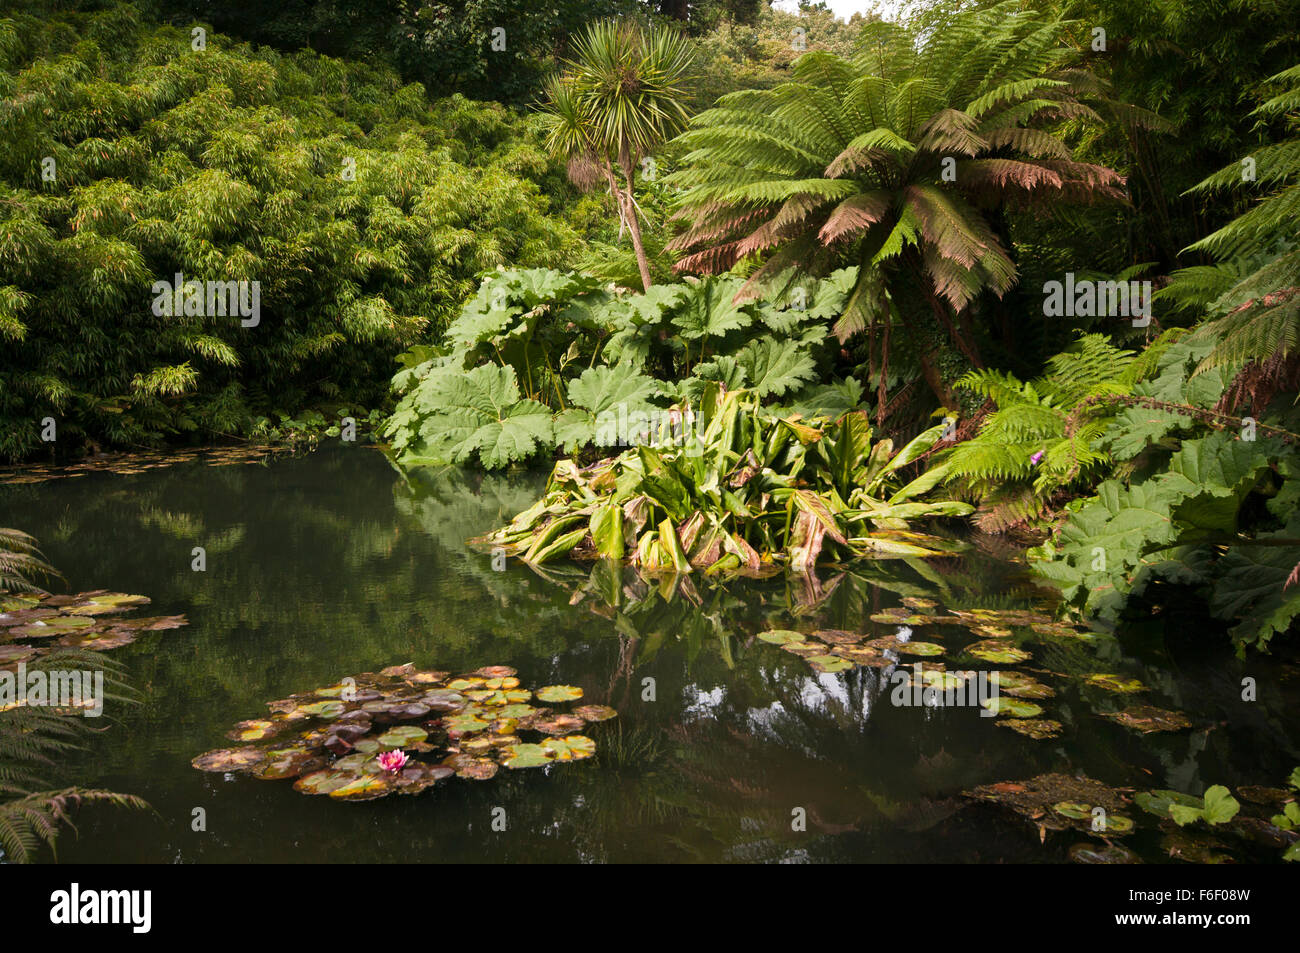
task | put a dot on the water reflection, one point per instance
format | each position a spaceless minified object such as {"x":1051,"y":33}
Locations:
{"x":334,"y":563}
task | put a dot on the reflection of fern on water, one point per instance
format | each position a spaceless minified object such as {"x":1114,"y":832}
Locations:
{"x":33,"y":739}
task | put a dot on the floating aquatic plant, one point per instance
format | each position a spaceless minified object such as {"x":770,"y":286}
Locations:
{"x":33,"y":624}
{"x":392,"y":761}
{"x":129,"y":464}
{"x":403,"y":729}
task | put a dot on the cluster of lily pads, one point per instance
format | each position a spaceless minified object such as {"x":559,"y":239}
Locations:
{"x":1004,"y":638}
{"x":1215,"y":828}
{"x":403,"y":729}
{"x":35,"y":624}
{"x":126,"y":464}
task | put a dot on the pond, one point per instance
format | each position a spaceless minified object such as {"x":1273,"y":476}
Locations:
{"x":331,"y":564}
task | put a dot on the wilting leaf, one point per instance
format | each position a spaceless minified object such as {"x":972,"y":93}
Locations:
{"x":595,"y":712}
{"x":1115,"y":683}
{"x":229,"y":759}
{"x":1148,"y":718}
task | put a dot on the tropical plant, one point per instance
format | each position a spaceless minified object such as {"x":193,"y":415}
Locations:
{"x":622,"y":96}
{"x":33,"y":738}
{"x":1252,"y":294}
{"x":899,"y":160}
{"x":20,"y":561}
{"x":1183,"y":513}
{"x":541,"y":359}
{"x":1043,"y":435}
{"x":735,"y":487}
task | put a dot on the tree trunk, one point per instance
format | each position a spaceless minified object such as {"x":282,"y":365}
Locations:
{"x":947,"y":396}
{"x":634,"y":226}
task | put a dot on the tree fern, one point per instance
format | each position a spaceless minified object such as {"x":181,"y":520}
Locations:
{"x":33,"y":739}
{"x":1253,"y":294}
{"x":1043,"y":432}
{"x":892,"y":161}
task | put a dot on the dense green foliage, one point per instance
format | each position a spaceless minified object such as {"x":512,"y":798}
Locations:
{"x":447,"y":46}
{"x":863,"y":222}
{"x":364,"y":212}
{"x":1042,"y":437}
{"x":1208,"y":501}
{"x":1252,"y":294}
{"x":541,"y":359}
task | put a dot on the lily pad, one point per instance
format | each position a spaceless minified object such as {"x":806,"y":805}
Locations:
{"x":1110,"y":854}
{"x":924,"y":649}
{"x":570,"y":748}
{"x":325,"y":781}
{"x":1023,"y":686}
{"x":16,"y":653}
{"x":781,"y":636}
{"x":1004,"y":705}
{"x":253,"y":730}
{"x":402,"y":736}
{"x":1148,"y":718}
{"x":325,"y":709}
{"x":996,"y":652}
{"x":527,"y":756}
{"x":1073,"y":810}
{"x":464,"y":723}
{"x":109,"y":602}
{"x":366,"y":787}
{"x":472,"y":768}
{"x":229,"y":759}
{"x":495,"y":671}
{"x":837,"y":636}
{"x":1118,"y":824}
{"x":1115,"y":683}
{"x":558,"y":693}
{"x":829,"y":663}
{"x":595,"y":713}
{"x":1037,"y":728}
{"x":461,"y":684}
{"x":557,"y":724}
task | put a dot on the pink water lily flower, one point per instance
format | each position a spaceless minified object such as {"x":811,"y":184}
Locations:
{"x":392,"y":761}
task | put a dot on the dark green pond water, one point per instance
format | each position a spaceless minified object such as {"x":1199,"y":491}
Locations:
{"x":331,"y":564}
